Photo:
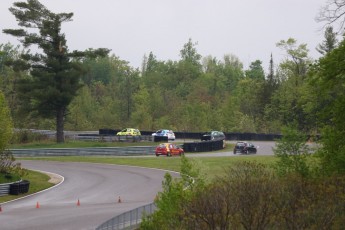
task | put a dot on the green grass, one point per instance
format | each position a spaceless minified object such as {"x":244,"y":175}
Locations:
{"x":7,"y":178}
{"x":214,"y":165}
{"x":38,"y":182}
{"x":77,"y":144}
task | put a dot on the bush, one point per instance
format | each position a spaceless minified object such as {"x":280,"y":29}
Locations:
{"x":7,"y":178}
{"x":292,"y":153}
{"x":27,"y":136}
{"x":7,"y":165}
{"x":243,"y":199}
{"x":250,"y":196}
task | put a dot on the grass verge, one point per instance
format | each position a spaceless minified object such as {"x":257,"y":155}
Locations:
{"x":38,"y":182}
{"x":80,"y":144}
{"x":213,"y":165}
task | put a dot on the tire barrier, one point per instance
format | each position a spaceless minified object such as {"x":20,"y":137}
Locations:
{"x":203,"y":146}
{"x":109,"y":132}
{"x":160,"y":139}
{"x":14,"y":188}
{"x":19,"y":187}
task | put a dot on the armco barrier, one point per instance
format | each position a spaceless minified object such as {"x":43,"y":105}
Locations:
{"x":105,"y":151}
{"x":5,"y":189}
{"x":128,"y":220}
{"x":111,"y":138}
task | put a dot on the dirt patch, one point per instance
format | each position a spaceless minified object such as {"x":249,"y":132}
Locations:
{"x":54,"y":179}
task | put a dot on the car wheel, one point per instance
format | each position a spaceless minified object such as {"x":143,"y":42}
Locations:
{"x":169,"y":154}
{"x":157,"y":155}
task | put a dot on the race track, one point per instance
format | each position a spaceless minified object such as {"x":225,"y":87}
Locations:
{"x":98,"y":188}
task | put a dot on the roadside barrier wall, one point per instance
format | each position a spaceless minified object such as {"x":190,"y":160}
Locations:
{"x":19,"y":187}
{"x":197,"y":135}
{"x":203,"y":146}
{"x":105,"y":151}
{"x":14,"y":188}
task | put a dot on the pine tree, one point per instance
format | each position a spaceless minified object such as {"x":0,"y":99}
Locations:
{"x":329,"y":43}
{"x":54,"y":78}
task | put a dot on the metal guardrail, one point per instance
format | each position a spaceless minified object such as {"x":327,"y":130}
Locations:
{"x":5,"y":188}
{"x":128,"y":220}
{"x":108,"y":138}
{"x":104,"y":151}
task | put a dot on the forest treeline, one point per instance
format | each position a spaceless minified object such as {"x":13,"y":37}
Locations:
{"x":194,"y":93}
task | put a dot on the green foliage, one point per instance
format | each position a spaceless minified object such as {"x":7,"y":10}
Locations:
{"x":191,"y":94}
{"x":251,"y":196}
{"x":329,"y":43}
{"x":26,"y":136}
{"x":6,"y":125}
{"x":292,"y":153}
{"x":256,"y":71}
{"x":176,"y":192}
{"x":332,"y":153}
{"x":54,"y":79}
{"x":328,"y":82}
{"x":188,"y":94}
{"x":7,"y":178}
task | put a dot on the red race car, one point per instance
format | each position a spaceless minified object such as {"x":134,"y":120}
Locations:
{"x":168,"y":149}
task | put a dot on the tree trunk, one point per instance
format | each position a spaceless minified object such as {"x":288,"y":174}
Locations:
{"x":60,"y":138}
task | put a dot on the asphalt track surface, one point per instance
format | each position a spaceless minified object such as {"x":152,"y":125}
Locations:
{"x":98,"y":187}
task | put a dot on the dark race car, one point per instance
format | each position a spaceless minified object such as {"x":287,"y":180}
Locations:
{"x":244,"y":148}
{"x":213,"y":136}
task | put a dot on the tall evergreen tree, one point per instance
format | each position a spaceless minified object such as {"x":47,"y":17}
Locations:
{"x":329,"y":43}
{"x":54,"y":78}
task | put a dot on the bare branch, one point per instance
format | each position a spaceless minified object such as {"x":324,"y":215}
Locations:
{"x":333,"y":12}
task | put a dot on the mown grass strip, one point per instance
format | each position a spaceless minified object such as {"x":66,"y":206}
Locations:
{"x":78,"y":144}
{"x":214,"y":165}
{"x":38,"y":182}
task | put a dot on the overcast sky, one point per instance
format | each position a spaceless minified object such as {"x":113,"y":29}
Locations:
{"x":248,"y":29}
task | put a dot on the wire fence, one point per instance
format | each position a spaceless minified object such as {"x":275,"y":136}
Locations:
{"x":128,"y":220}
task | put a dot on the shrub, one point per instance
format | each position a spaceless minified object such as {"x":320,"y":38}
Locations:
{"x":292,"y":153}
{"x":27,"y":136}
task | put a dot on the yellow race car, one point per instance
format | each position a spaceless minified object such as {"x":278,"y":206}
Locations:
{"x":129,"y":132}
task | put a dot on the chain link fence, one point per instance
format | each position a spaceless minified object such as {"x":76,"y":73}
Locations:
{"x":128,"y":220}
